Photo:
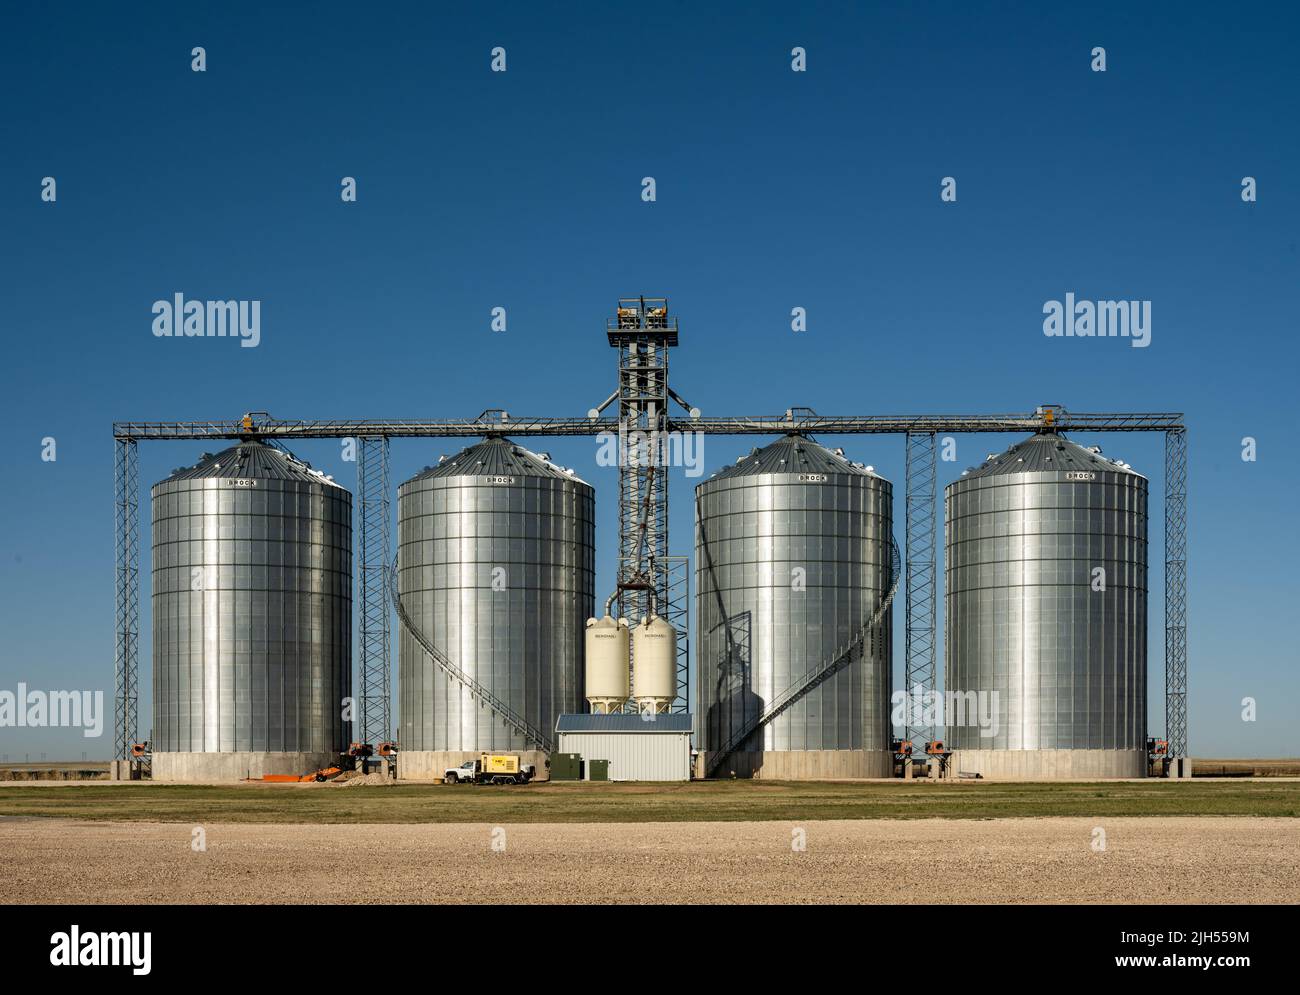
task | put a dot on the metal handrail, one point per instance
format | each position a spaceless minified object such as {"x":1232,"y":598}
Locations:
{"x":476,"y":690}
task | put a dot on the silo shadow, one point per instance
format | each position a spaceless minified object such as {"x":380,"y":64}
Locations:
{"x":736,"y":704}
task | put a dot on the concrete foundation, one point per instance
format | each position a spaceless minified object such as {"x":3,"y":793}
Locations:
{"x":807,"y":765}
{"x":428,"y":765}
{"x":1047,"y":765}
{"x":120,"y":770}
{"x":1180,"y":767}
{"x":207,"y":767}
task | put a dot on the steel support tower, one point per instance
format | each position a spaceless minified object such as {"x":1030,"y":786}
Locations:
{"x":1176,"y":594}
{"x":126,"y":659}
{"x":675,"y":609}
{"x":642,"y":332}
{"x":919,"y":663}
{"x":375,"y":724}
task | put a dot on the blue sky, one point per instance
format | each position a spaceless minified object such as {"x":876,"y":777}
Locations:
{"x":775,"y":190}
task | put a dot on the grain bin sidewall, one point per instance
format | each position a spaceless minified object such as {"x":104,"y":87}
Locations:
{"x":526,"y":642}
{"x":850,"y":711}
{"x":1073,"y":674}
{"x":259,"y":658}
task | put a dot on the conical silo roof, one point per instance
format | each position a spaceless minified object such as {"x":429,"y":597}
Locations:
{"x":1046,"y":452}
{"x":793,"y":453}
{"x":496,"y":456}
{"x":252,"y":459}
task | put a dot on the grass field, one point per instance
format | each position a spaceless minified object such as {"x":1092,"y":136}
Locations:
{"x":725,"y":801}
{"x":1210,"y":767}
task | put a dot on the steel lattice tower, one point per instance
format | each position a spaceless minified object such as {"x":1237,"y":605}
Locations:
{"x":1176,"y":592}
{"x":675,"y":578}
{"x":126,"y":516}
{"x":373,"y":572}
{"x":642,"y":332}
{"x":919,"y":665}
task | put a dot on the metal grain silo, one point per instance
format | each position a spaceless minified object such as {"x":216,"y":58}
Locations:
{"x":496,"y":575}
{"x":793,"y":556}
{"x":252,"y":616}
{"x":1046,"y":608}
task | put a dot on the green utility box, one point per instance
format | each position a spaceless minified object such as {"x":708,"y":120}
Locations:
{"x":566,"y":766}
{"x":598,"y":770}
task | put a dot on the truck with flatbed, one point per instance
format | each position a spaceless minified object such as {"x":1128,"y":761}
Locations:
{"x":491,"y":768}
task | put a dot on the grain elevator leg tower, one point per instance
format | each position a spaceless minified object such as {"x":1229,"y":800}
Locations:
{"x":642,"y":331}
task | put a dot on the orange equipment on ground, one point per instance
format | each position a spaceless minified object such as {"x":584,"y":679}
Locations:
{"x":324,"y":774}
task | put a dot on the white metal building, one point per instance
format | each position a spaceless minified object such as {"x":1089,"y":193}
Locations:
{"x":638,"y":747}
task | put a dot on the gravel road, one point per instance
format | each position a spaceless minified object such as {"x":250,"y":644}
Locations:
{"x":1145,"y":860}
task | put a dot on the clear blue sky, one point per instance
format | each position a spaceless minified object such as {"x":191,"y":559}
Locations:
{"x":775,"y":190}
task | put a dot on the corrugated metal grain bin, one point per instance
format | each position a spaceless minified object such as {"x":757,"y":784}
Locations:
{"x":792,"y":557}
{"x":252,"y":616}
{"x":1046,"y":608}
{"x":497,"y":571}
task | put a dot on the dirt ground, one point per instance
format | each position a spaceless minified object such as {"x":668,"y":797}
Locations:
{"x":1168,"y":860}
